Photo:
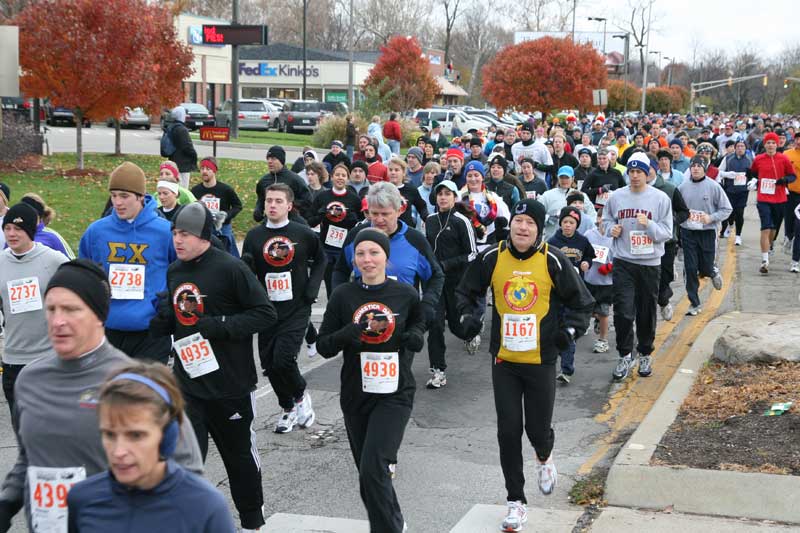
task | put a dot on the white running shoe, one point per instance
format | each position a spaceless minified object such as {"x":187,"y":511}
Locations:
{"x":716,"y":281}
{"x":623,"y":367}
{"x":600,"y":346}
{"x":287,"y":421}
{"x":694,"y":310}
{"x":764,"y":267}
{"x":727,"y":233}
{"x":473,"y":344}
{"x":305,"y":411}
{"x":516,"y":517}
{"x":787,"y":245}
{"x":795,"y":268}
{"x":311,"y":349}
{"x":666,"y":312}
{"x":738,"y":240}
{"x":438,"y":380}
{"x":547,"y":475}
{"x":645,"y":366}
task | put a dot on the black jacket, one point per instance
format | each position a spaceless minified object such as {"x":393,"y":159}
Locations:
{"x":302,"y":196}
{"x":534,"y":188}
{"x":566,"y":159}
{"x":411,"y":195}
{"x":339,"y":210}
{"x":593,"y":185}
{"x":217,"y":295}
{"x":334,"y":160}
{"x":452,"y":238}
{"x":503,"y":189}
{"x":184,"y":155}
{"x":224,"y":194}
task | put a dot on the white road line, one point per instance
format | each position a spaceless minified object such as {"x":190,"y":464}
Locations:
{"x":318,"y":362}
{"x":136,"y":135}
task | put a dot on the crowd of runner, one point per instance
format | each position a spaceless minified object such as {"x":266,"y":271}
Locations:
{"x":119,"y":364}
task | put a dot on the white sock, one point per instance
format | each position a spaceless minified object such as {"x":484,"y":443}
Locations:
{"x":765,"y":256}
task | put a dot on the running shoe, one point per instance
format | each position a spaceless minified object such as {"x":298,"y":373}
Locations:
{"x":516,"y":517}
{"x":473,"y":344}
{"x":311,"y":349}
{"x":600,"y":346}
{"x":596,"y":326}
{"x":666,"y":312}
{"x":547,"y":475}
{"x":405,"y":527}
{"x":645,"y":366}
{"x":694,"y":310}
{"x":764,"y":267}
{"x":716,"y":281}
{"x":287,"y":421}
{"x":738,"y":240}
{"x":623,"y":367}
{"x":787,"y":245}
{"x":563,"y":378}
{"x":772,"y":248}
{"x":726,"y":234}
{"x":795,"y":267}
{"x":305,"y":411}
{"x":438,"y":380}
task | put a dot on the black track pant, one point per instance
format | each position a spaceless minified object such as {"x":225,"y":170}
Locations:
{"x":737,"y":219}
{"x":278,"y":354}
{"x":229,"y":421}
{"x":523,"y":395}
{"x":10,"y":373}
{"x":446,"y":310}
{"x":667,"y":275}
{"x":374,"y":441}
{"x":699,"y":247}
{"x":635,"y":298}
{"x":140,"y":344}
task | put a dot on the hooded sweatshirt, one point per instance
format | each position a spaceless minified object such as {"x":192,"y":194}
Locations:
{"x":704,"y":196}
{"x":622,"y":208}
{"x":23,"y":281}
{"x":147,"y":241}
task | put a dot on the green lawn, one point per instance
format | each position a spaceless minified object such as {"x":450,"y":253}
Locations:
{"x":268,"y":137}
{"x":79,"y":201}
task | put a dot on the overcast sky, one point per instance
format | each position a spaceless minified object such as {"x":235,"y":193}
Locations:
{"x":763,"y":26}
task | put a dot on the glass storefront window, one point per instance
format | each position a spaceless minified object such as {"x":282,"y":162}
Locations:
{"x":254,"y":92}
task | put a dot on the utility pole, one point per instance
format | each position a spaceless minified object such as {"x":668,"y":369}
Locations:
{"x":235,"y":76}
{"x":305,"y":46}
{"x":625,"y":69}
{"x":351,"y":97}
{"x":574,"y":8}
{"x":669,"y":72}
{"x":646,"y":53}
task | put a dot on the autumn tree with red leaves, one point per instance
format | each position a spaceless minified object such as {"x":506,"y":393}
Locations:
{"x":623,"y":95}
{"x":544,"y":74}
{"x":97,"y":56}
{"x":402,"y":75}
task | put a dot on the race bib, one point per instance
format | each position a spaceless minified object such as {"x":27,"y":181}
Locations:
{"x":641,"y":243}
{"x":520,"y":332}
{"x":24,"y":295}
{"x":740,"y":178}
{"x":196,"y":355}
{"x":48,"y":488}
{"x":335,"y":236}
{"x":380,"y":372}
{"x":600,"y":254}
{"x":695,"y":219}
{"x":279,"y":286}
{"x":766,"y":186}
{"x":127,"y":282}
{"x":580,"y":185}
{"x":602,"y":198}
{"x":531,"y":194}
{"x":211,"y":202}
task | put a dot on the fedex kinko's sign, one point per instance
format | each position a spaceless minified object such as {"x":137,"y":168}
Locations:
{"x":285,"y":70}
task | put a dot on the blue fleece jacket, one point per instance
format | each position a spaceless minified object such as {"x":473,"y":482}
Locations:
{"x":147,"y":240}
{"x":182,"y":503}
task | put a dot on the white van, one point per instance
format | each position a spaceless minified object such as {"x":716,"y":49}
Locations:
{"x":445,"y":118}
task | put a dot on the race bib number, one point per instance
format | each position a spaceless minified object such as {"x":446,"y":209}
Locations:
{"x":48,"y":496}
{"x":641,"y":243}
{"x":531,"y":194}
{"x":335,"y":236}
{"x":580,"y":185}
{"x":212,"y":203}
{"x":602,"y":198}
{"x":520,"y":332}
{"x":766,"y":186}
{"x":600,"y":254}
{"x":740,"y":178}
{"x":127,"y":282}
{"x":279,"y":286}
{"x":695,"y":219}
{"x":24,"y":295}
{"x":380,"y":372}
{"x":196,"y":355}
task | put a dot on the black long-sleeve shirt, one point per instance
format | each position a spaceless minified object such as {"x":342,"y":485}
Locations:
{"x":413,"y":199}
{"x":302,"y":196}
{"x":220,"y":197}
{"x":452,"y":238}
{"x":593,"y":185}
{"x":334,"y":211}
{"x":219,"y":286}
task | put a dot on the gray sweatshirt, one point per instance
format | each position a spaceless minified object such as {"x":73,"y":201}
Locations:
{"x":704,"y":196}
{"x":56,"y":413}
{"x":22,"y":284}
{"x":633,"y":243}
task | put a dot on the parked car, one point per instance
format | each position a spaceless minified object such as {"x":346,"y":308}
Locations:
{"x":484,"y":114}
{"x":334,"y":108}
{"x":299,"y":115}
{"x":196,"y":115}
{"x":65,"y":116}
{"x":445,"y":117}
{"x":277,"y":103}
{"x":134,"y":117}
{"x":253,"y":114}
{"x":17,"y":106}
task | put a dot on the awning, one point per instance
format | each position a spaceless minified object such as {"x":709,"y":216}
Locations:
{"x":448,"y":89}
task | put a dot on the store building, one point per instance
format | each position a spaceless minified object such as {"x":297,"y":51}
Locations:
{"x":210,"y":83}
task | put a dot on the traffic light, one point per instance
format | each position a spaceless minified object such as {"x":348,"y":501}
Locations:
{"x":765,"y":81}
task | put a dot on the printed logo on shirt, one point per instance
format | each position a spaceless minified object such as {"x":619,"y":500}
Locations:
{"x":188,"y":304}
{"x":572,"y":253}
{"x":633,"y":213}
{"x":336,"y":211}
{"x":118,"y":253}
{"x":377,"y":322}
{"x":88,"y":399}
{"x":520,"y":293}
{"x":278,"y":251}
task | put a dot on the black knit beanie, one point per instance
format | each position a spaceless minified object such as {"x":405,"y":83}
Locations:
{"x":374,"y":235}
{"x":24,"y":216}
{"x":278,"y":153}
{"x":86,"y":279}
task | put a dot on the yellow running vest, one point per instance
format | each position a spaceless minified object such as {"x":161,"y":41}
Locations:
{"x":521,"y":290}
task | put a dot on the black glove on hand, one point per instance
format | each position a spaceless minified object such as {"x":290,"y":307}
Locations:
{"x":163,"y":323}
{"x":211,"y":328}
{"x":562,"y":340}
{"x":606,"y":188}
{"x":249,"y":261}
{"x":412,"y":340}
{"x":781,"y":181}
{"x":350,"y":334}
{"x":471,"y":325}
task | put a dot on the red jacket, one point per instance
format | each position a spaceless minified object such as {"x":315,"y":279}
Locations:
{"x":772,"y":168}
{"x":391,"y":130}
{"x":377,"y":172}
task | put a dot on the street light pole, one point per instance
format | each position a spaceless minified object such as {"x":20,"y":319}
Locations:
{"x":234,"y":131}
{"x":627,"y":37}
{"x":669,"y":72}
{"x":305,"y":45}
{"x":574,"y":8}
{"x":350,"y":93}
{"x":604,"y":21}
{"x":646,"y":49}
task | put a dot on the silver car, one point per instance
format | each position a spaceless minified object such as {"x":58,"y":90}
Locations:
{"x":133,"y":118}
{"x":253,"y":114}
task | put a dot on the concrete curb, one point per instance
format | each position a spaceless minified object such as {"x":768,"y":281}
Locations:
{"x":633,"y":482}
{"x":322,"y":152}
